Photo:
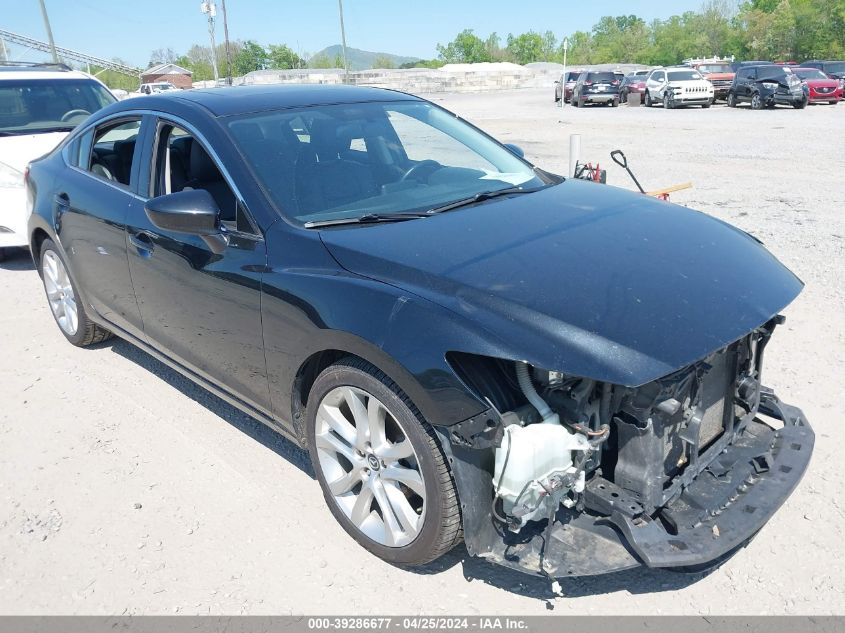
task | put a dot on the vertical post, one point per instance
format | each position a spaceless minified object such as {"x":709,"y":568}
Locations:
{"x":565,"y":78}
{"x":213,"y":44}
{"x":49,"y":31}
{"x":574,"y":153}
{"x":343,"y":42}
{"x":5,"y":54}
{"x":228,"y":49}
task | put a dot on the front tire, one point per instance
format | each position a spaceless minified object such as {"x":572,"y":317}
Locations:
{"x":648,"y":102}
{"x":380,"y":466}
{"x":64,"y":300}
{"x":756,"y":101}
{"x":2,"y":254}
{"x":667,"y":101}
{"x":731,"y":100}
{"x":800,"y":105}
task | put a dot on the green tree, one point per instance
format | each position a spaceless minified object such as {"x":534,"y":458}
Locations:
{"x":113,"y":79}
{"x":581,"y":49}
{"x":250,"y":57}
{"x":282,"y":56}
{"x":526,"y":48}
{"x":466,"y":48}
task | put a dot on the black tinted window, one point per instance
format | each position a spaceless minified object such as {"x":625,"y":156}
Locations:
{"x":771,"y":72}
{"x":601,"y":77}
{"x":684,"y":75}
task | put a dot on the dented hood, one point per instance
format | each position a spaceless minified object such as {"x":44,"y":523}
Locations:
{"x":587,"y":279}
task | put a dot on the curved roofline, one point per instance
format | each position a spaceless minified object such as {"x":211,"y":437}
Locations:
{"x":231,"y":101}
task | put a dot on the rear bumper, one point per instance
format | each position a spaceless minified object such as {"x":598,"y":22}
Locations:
{"x":600,"y":97}
{"x":721,"y":510}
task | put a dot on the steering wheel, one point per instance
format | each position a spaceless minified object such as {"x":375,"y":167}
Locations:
{"x":70,"y":114}
{"x":415,"y":171}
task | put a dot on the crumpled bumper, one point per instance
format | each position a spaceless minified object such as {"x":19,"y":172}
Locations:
{"x":720,"y":511}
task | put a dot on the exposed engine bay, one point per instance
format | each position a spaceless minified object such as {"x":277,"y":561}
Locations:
{"x":643,"y":475}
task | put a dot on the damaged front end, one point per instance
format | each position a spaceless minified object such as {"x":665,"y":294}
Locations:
{"x":566,"y":476}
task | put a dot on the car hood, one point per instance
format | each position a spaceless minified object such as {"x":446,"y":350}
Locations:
{"x":17,"y":151}
{"x":719,"y":76}
{"x":691,"y":83}
{"x":822,"y":83}
{"x":587,"y":279}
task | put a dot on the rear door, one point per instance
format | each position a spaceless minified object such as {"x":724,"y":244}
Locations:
{"x":655,"y":83}
{"x":200,"y":308}
{"x":91,"y":203}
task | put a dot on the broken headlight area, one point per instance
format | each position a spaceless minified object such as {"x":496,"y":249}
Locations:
{"x":569,"y":476}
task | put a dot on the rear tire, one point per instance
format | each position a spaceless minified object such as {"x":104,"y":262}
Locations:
{"x":364,"y":434}
{"x":64,"y":300}
{"x":2,"y":254}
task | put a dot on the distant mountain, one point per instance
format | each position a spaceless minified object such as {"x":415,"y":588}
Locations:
{"x":362,"y":60}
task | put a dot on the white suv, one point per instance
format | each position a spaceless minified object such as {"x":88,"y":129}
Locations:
{"x":678,"y":86}
{"x":39,"y":105}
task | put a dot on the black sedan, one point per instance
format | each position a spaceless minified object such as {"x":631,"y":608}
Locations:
{"x":563,"y":374}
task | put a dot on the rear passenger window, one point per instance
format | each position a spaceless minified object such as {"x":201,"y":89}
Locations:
{"x":111,"y":154}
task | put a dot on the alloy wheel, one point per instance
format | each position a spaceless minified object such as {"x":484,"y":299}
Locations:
{"x":370,"y":466}
{"x":60,"y":293}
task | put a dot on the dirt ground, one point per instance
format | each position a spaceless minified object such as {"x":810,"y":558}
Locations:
{"x":126,"y":489}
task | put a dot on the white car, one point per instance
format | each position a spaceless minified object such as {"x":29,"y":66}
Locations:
{"x":39,"y":105}
{"x":678,"y":86}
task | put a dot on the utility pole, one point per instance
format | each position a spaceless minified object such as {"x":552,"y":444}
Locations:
{"x":228,"y":50}
{"x":564,"y":78}
{"x":343,"y":41}
{"x":49,"y":31}
{"x":210,"y":10}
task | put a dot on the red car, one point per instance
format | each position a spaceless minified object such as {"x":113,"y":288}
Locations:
{"x":822,"y":88}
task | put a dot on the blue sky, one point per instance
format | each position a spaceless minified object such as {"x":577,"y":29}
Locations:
{"x":131,"y":30}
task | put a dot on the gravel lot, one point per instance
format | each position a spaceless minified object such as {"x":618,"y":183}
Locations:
{"x":126,"y":489}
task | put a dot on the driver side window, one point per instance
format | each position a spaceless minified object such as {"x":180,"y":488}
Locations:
{"x":183,"y":164}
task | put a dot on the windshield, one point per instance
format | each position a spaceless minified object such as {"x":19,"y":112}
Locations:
{"x":346,"y":161}
{"x":715,"y":68}
{"x":835,"y":67}
{"x":32,"y":106}
{"x":684,"y":75}
{"x":809,"y":73}
{"x":602,"y":77}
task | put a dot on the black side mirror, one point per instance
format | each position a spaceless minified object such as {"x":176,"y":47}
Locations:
{"x":193,"y":212}
{"x":516,"y":149}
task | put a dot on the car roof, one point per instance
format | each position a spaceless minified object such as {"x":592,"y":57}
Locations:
{"x":234,"y":100}
{"x":21,"y":72}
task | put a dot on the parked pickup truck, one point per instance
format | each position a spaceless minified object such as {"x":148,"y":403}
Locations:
{"x":718,"y":72}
